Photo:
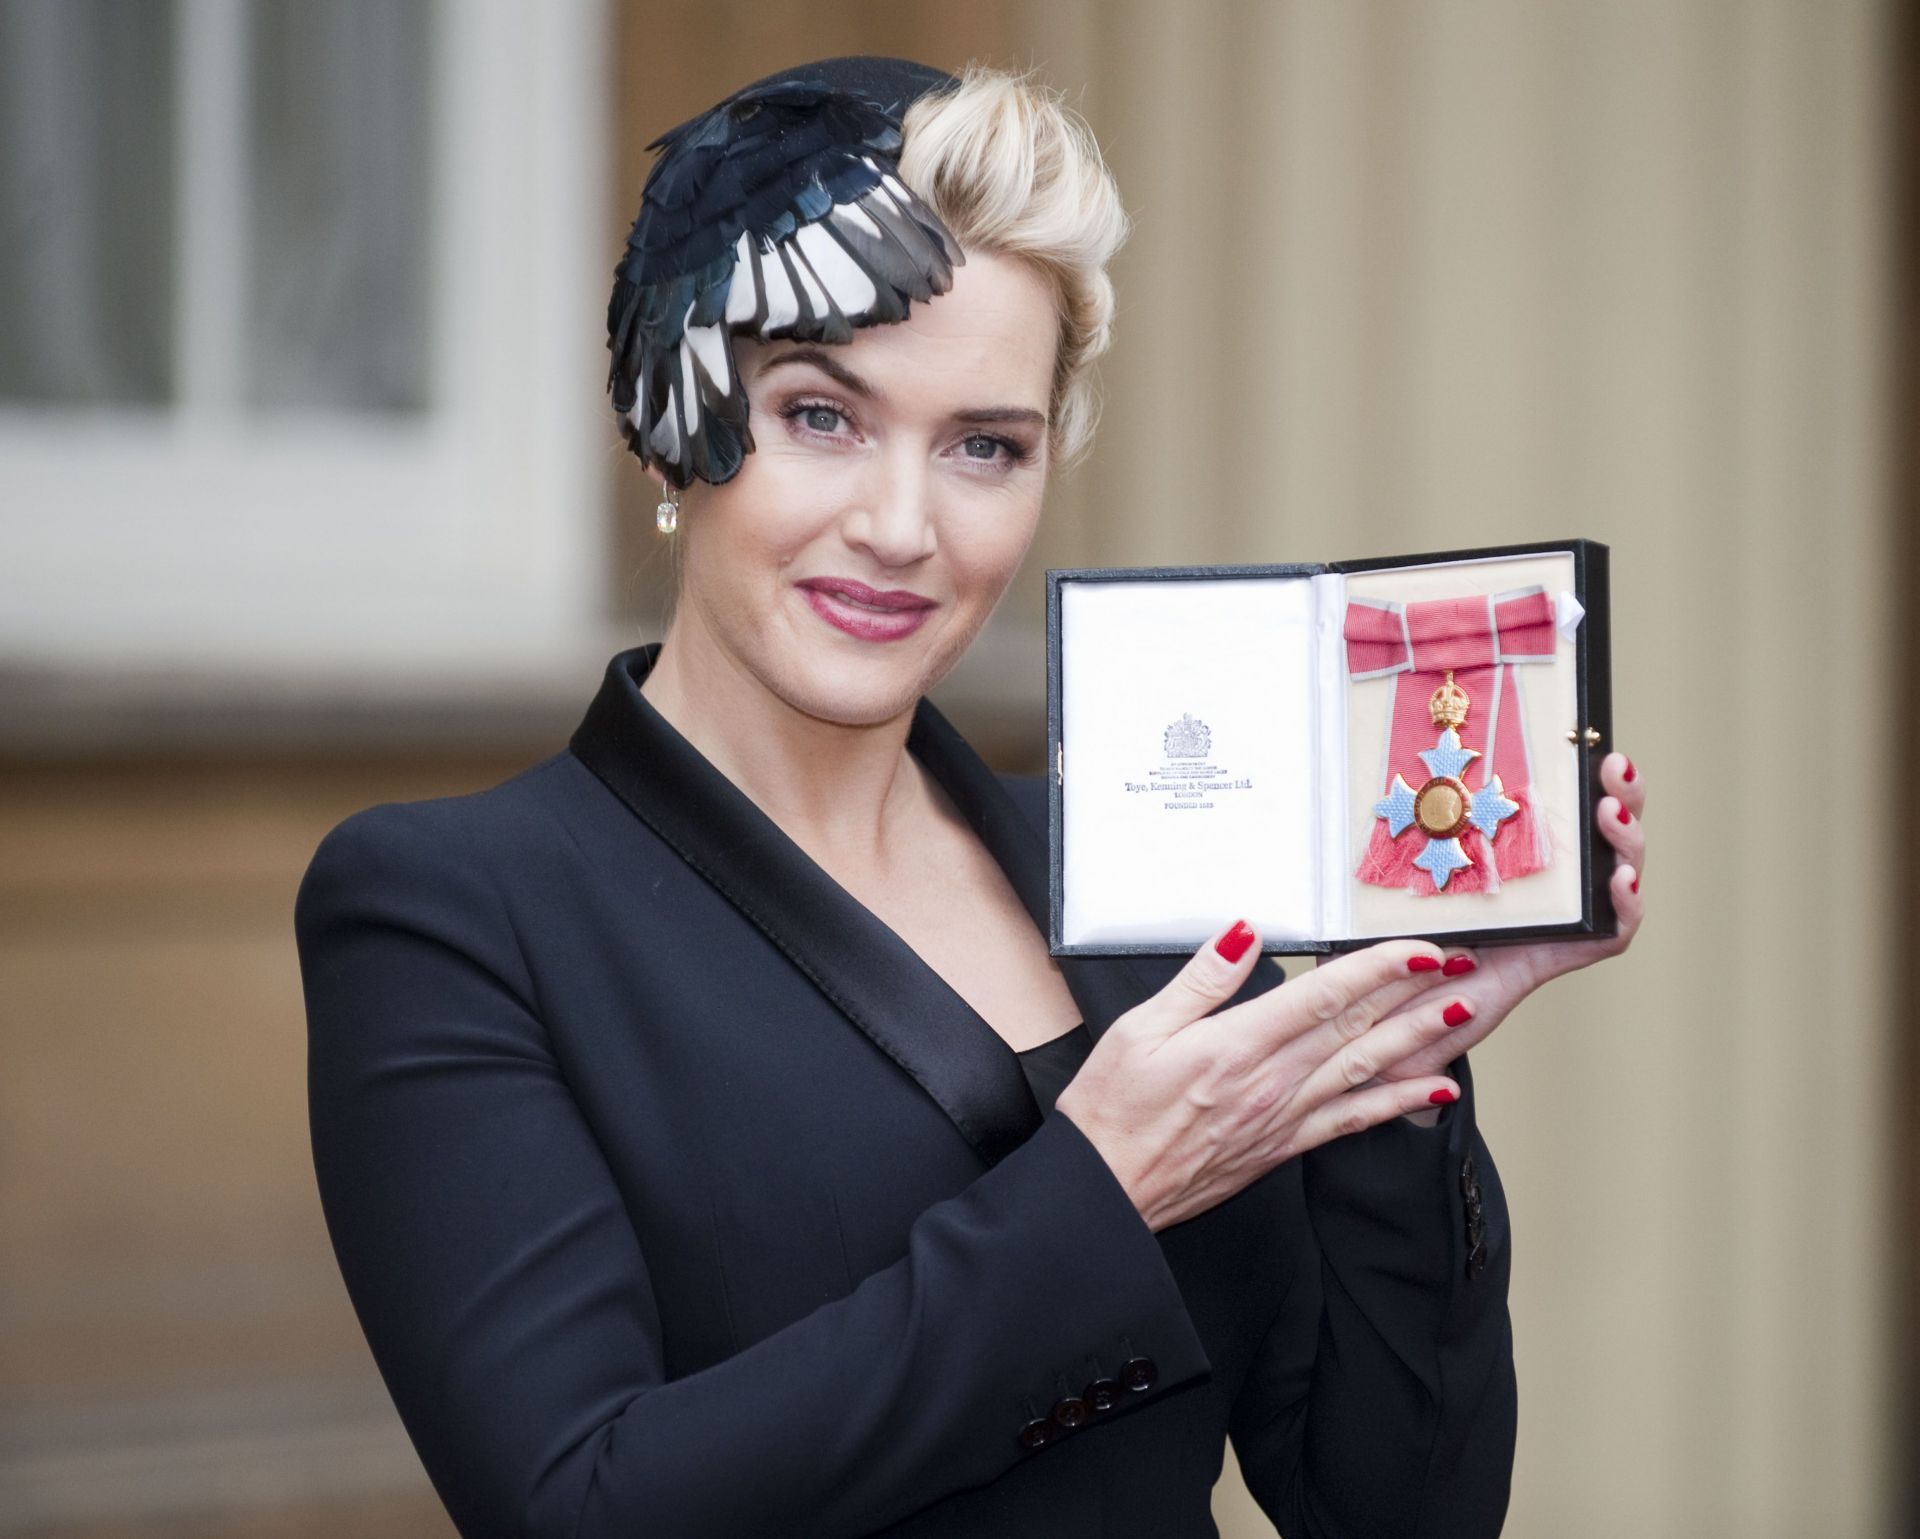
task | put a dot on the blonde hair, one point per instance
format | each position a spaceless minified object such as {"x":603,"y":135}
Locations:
{"x":1010,"y":168}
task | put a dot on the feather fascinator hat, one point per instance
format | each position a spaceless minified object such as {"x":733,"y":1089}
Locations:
{"x":776,"y":213}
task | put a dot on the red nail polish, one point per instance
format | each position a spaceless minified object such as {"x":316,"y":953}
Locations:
{"x":1625,"y":816}
{"x":1628,"y":777}
{"x":1634,"y":886}
{"x":1423,"y":964}
{"x":1458,"y":965}
{"x":1456,"y":1014}
{"x":1441,"y":1097}
{"x":1233,"y":945}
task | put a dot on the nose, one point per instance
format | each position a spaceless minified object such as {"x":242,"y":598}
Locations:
{"x":892,"y":516}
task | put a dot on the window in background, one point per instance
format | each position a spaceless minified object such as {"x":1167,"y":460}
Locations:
{"x":301,"y":309}
{"x":318,"y":200}
{"x":87,"y":183}
{"x":337,"y":180}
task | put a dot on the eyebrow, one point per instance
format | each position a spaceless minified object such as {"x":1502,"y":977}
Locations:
{"x":842,"y":375}
{"x":833,"y":369}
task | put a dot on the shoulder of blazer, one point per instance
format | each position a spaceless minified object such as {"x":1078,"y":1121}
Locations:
{"x":490,"y":817}
{"x":425,"y":871}
{"x":448,"y":842}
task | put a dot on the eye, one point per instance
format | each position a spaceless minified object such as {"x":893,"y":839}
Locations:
{"x":819,"y":417}
{"x":993,"y":452}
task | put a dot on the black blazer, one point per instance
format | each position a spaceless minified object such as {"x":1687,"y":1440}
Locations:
{"x":677,"y":1195}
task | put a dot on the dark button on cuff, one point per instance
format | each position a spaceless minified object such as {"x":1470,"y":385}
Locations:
{"x":1477,"y":1261}
{"x":1102,"y":1395}
{"x":1139,"y":1373}
{"x":1036,"y":1433}
{"x":1070,"y":1412}
{"x":1467,"y":1176}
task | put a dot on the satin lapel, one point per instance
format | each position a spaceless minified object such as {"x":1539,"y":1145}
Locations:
{"x":875,"y":979}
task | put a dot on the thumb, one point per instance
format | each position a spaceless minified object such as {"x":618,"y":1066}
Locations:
{"x":1211,"y":976}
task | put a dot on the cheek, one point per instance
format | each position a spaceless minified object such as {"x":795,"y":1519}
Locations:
{"x":988,"y":558}
{"x":758,"y":524}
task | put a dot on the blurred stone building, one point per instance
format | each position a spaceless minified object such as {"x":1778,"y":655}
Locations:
{"x":310,"y":498}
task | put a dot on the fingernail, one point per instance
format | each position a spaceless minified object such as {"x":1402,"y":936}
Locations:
{"x":1628,"y":777}
{"x":1233,"y":945}
{"x":1625,"y":816}
{"x":1456,"y":1014}
{"x":1634,"y":885}
{"x":1457,"y":965}
{"x":1423,"y":964}
{"x":1441,"y":1097}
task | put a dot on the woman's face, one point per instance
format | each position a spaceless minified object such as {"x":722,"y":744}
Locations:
{"x":907,"y":463}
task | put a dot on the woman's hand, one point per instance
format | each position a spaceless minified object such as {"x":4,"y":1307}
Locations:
{"x":1492,"y":981}
{"x":1188,"y":1108}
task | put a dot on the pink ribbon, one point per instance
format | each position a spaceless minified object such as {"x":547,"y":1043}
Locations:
{"x":1480,"y":639}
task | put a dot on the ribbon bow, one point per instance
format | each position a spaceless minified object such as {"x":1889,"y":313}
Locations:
{"x":1471,"y":781}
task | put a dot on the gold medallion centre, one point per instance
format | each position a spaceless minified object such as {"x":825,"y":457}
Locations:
{"x":1441,"y":806}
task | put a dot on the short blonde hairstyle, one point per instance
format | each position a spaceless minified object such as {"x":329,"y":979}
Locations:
{"x":1010,"y":168}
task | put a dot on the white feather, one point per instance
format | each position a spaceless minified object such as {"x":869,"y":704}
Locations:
{"x":711,"y":349}
{"x":851,"y":288}
{"x":689,"y":390}
{"x":742,"y":298}
{"x":782,"y":308}
{"x":664,"y":440}
{"x":816,"y":296}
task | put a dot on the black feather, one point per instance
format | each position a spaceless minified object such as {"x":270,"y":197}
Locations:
{"x":780,"y":154}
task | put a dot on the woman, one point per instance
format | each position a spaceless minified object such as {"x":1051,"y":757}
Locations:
{"x":680,"y":1105}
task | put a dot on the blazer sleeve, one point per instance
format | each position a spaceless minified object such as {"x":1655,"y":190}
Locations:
{"x":1382,"y":1400}
{"x":507,"y":1299}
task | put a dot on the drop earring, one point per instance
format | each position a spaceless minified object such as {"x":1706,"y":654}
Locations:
{"x":666,"y":517}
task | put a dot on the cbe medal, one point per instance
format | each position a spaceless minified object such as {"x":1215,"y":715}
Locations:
{"x":1443,"y":806}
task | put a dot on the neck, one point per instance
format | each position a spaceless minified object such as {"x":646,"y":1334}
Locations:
{"x":836,"y":790}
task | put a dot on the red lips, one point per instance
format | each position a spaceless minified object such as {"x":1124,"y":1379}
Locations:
{"x":860,"y":593}
{"x":864,"y":612}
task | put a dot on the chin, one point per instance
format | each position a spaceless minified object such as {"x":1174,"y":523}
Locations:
{"x":846,"y":698}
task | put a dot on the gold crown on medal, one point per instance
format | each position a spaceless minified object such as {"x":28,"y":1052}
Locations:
{"x":1448,"y":704}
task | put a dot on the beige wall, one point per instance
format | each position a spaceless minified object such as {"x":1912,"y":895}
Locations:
{"x":177,"y":1354}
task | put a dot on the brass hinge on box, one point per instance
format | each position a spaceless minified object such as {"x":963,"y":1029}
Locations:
{"x":1588,"y":735}
{"x":1059,"y":764}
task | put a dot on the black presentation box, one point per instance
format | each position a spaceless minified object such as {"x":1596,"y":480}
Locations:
{"x":1337,"y":753}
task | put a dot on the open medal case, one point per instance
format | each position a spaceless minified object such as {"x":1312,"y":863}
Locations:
{"x":1337,"y":753}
